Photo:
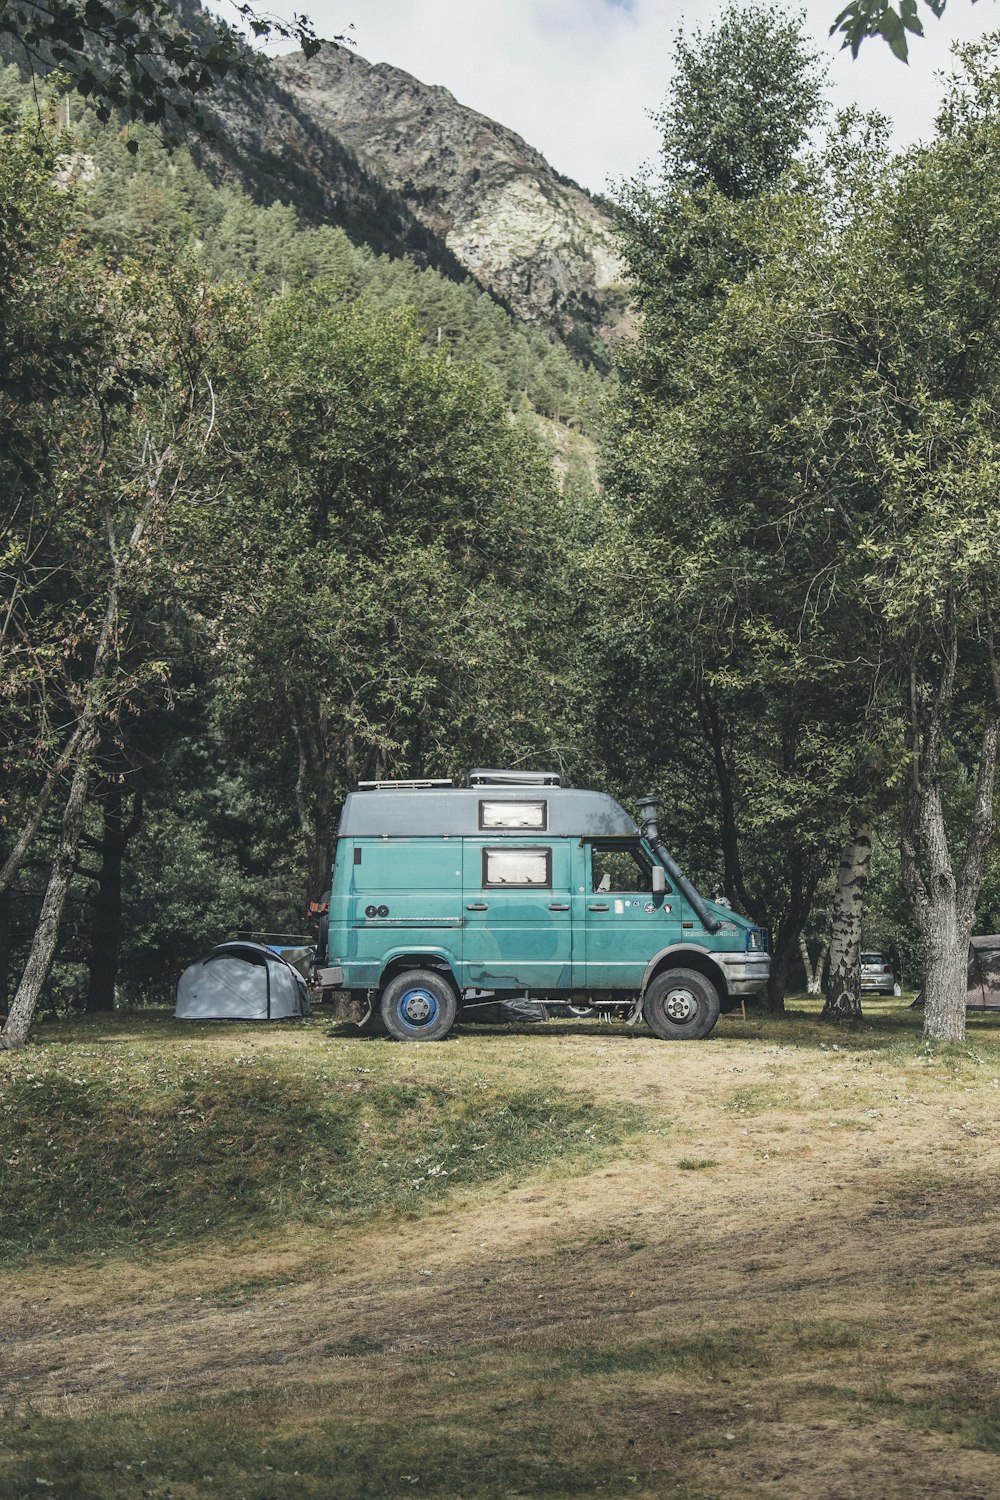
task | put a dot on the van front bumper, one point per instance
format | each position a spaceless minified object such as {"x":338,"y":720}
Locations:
{"x":746,"y":973}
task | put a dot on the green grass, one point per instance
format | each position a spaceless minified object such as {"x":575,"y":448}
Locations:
{"x":298,"y":1443}
{"x":611,"y":1338}
{"x":102,"y":1148}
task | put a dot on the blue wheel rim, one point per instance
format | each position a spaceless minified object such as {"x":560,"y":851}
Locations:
{"x":417,"y":1008}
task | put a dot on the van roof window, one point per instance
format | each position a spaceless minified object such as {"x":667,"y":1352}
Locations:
{"x":509,"y":814}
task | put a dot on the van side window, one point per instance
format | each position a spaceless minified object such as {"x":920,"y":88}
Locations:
{"x":522,"y":867}
{"x":620,"y":867}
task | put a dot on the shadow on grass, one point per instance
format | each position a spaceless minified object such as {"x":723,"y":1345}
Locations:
{"x":97,"y":1155}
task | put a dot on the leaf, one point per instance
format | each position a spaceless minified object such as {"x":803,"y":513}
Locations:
{"x":892,"y":29}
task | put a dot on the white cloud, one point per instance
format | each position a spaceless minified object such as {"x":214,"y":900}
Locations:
{"x":578,"y":78}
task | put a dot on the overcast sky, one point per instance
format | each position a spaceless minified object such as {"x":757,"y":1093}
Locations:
{"x":577,"y":78}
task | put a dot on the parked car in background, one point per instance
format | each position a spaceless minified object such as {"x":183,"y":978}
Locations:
{"x":877,"y":976}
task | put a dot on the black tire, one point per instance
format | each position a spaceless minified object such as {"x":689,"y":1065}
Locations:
{"x":418,"y":1005}
{"x":681,"y":1005}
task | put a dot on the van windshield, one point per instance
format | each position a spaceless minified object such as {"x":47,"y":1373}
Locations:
{"x":620,"y":867}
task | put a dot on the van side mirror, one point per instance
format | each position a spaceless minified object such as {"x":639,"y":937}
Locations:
{"x":659,"y":880}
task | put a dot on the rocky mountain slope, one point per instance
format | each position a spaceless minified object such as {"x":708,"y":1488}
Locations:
{"x":262,"y":138}
{"x":533,"y":238}
{"x":402,"y":167}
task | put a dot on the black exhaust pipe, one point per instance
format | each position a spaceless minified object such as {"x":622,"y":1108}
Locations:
{"x":649,"y":814}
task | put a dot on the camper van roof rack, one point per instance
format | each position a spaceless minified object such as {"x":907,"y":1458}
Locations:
{"x":514,"y":778}
{"x":418,"y":784}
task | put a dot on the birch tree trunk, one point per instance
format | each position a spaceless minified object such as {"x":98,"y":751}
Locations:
{"x":933,"y":890}
{"x":36,"y":970}
{"x":814,"y":972}
{"x":945,"y":905}
{"x":843,"y":977}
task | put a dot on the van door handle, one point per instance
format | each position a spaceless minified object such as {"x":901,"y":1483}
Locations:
{"x":598,"y":906}
{"x":478,"y":906}
{"x":558,"y":906}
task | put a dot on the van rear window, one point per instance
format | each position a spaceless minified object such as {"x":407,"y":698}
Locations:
{"x":513,"y":815}
{"x":522,"y":867}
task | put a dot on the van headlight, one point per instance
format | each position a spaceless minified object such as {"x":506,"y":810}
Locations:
{"x":756,"y":940}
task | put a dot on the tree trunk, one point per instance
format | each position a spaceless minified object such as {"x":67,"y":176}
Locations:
{"x":733,"y":881}
{"x":4,"y":949}
{"x":315,"y":783}
{"x":843,"y":978}
{"x":785,"y":937}
{"x":106,"y":926}
{"x":43,"y":946}
{"x":814,"y":971}
{"x":946,"y":957}
{"x":772,"y":997}
{"x":945,"y":921}
{"x":22,"y":843}
{"x":945,"y":906}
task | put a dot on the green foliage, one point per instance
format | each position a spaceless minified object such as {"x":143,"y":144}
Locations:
{"x":395,"y":573}
{"x":285,"y":475}
{"x":811,"y":472}
{"x":862,"y":19}
{"x":147,"y":60}
{"x":741,"y":102}
{"x":740,"y":671}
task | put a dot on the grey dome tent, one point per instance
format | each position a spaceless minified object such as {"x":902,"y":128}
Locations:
{"x":241,"y":982}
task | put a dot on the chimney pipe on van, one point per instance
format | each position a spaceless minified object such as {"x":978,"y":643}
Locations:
{"x":649,"y":814}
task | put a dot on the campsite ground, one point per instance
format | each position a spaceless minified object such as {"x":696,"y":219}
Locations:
{"x":562,"y":1261}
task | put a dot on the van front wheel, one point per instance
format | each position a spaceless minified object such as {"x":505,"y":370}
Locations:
{"x":681,"y":1005}
{"x":419,"y":1005}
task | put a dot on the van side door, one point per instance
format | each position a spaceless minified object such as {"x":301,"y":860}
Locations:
{"x":624,"y":923}
{"x":518,"y":932}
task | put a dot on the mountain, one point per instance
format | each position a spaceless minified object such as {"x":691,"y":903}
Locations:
{"x":261,"y":138}
{"x":406,"y":170}
{"x":533,"y":238}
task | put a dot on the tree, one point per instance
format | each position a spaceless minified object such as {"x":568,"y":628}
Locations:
{"x":883,"y":315}
{"x":150,"y":60}
{"x":395,"y":595}
{"x":407,"y":556}
{"x":53,"y":348}
{"x":741,"y":102}
{"x":133,"y":458}
{"x":702,"y":497}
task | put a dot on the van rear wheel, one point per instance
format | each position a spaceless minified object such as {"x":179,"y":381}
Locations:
{"x":681,"y":1005}
{"x":418,"y":1005}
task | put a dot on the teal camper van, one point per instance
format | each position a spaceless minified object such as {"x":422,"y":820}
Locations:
{"x":514,"y":886}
